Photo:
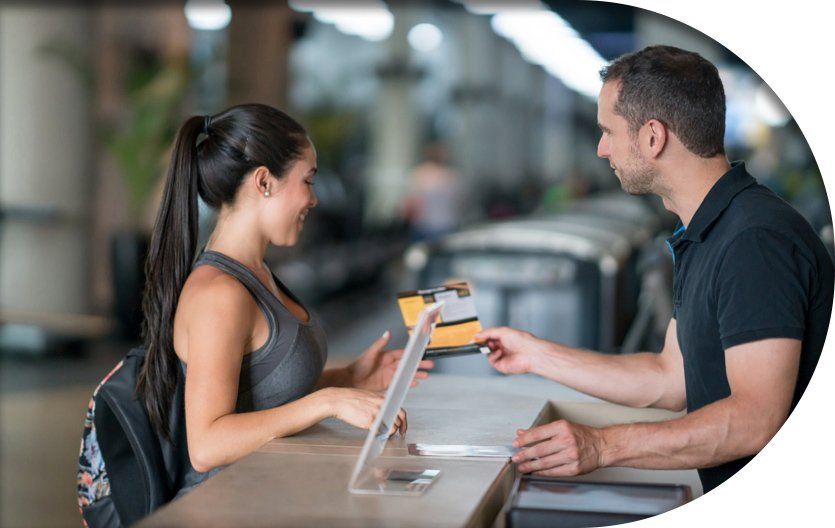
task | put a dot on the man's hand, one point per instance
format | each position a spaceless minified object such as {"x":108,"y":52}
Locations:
{"x":512,"y":350}
{"x":562,"y":449}
{"x":375,"y":368}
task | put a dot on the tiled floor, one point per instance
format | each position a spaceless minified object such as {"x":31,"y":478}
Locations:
{"x":43,"y":401}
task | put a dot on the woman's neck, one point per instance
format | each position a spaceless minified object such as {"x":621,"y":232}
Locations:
{"x":237,"y":237}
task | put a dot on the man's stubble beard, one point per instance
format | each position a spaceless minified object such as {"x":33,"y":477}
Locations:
{"x":637,"y":176}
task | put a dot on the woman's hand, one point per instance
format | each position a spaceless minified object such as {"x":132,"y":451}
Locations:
{"x":375,"y":368}
{"x":360,"y":408}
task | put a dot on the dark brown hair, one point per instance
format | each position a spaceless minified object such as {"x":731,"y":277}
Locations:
{"x":236,"y":141}
{"x":677,"y":87}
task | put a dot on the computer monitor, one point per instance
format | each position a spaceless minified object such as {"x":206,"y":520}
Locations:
{"x":368,"y":477}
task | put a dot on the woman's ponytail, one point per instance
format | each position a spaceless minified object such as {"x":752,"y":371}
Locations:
{"x":170,"y":256}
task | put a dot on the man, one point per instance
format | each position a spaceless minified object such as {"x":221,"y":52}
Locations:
{"x":434,"y":204}
{"x":752,"y":292}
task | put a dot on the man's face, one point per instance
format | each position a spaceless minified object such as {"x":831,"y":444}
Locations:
{"x":620,"y":147}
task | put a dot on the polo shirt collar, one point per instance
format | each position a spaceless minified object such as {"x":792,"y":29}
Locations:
{"x":717,"y":200}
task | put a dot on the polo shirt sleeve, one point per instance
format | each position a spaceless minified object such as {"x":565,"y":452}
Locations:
{"x":760,"y":289}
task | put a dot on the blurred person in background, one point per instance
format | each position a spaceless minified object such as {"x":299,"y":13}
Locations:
{"x":250,"y":353}
{"x":432,"y":207}
{"x":753,"y":292}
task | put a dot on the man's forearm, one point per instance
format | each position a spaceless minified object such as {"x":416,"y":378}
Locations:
{"x":761,"y":376}
{"x":636,"y":380}
{"x":718,"y":433}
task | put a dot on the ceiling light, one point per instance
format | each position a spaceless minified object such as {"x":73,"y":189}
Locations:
{"x":425,"y":37}
{"x":370,"y":20}
{"x":544,"y":38}
{"x":491,"y":7}
{"x":208,"y":15}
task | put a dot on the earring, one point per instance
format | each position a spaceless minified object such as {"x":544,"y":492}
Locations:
{"x":267,"y":193}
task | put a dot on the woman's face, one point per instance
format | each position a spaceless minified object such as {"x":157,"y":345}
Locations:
{"x":290,"y":199}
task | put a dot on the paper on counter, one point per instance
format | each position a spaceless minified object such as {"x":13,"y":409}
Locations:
{"x":452,"y":450}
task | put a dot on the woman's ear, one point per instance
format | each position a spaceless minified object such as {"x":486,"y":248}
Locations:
{"x":263,"y":181}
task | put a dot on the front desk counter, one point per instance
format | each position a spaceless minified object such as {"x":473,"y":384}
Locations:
{"x":303,"y":480}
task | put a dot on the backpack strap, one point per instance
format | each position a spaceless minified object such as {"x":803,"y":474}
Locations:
{"x":139,"y":352}
{"x":138,"y":478}
{"x":174,"y":452}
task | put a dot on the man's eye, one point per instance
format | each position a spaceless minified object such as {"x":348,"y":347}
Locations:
{"x":310,"y":183}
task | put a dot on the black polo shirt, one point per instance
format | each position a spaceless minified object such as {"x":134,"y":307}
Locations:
{"x":748,"y":267}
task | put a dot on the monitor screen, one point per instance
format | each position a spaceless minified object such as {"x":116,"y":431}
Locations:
{"x":375,"y":442}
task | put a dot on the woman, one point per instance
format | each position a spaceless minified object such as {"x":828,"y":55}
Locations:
{"x":252,"y":354}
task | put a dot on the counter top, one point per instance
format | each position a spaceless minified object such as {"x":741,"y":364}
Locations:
{"x":302,"y":480}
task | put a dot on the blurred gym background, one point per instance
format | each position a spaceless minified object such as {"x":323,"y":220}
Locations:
{"x":456,"y":140}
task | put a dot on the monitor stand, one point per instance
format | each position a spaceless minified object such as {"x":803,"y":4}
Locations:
{"x":395,"y":481}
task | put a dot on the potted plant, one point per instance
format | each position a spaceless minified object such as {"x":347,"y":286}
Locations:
{"x":154,"y":95}
{"x":138,"y":141}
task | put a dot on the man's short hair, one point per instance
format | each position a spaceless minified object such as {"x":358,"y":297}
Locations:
{"x":677,"y":87}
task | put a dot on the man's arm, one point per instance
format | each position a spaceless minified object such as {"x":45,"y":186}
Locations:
{"x":761,"y":376}
{"x":645,"y":379}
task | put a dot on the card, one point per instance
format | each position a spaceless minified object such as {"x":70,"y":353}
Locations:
{"x":455,"y":333}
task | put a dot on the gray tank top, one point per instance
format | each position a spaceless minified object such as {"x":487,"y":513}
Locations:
{"x":287,"y":366}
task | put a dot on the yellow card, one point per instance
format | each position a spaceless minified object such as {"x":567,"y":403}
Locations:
{"x":454,"y":334}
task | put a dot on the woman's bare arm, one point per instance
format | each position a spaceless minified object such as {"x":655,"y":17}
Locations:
{"x":218,"y":325}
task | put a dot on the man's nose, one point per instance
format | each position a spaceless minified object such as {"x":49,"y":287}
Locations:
{"x":603,"y":148}
{"x":313,"y":199}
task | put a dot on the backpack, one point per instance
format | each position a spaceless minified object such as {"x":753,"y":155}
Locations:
{"x":126,"y":469}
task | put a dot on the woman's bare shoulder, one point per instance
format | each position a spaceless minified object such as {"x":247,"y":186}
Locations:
{"x":211,"y":295}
